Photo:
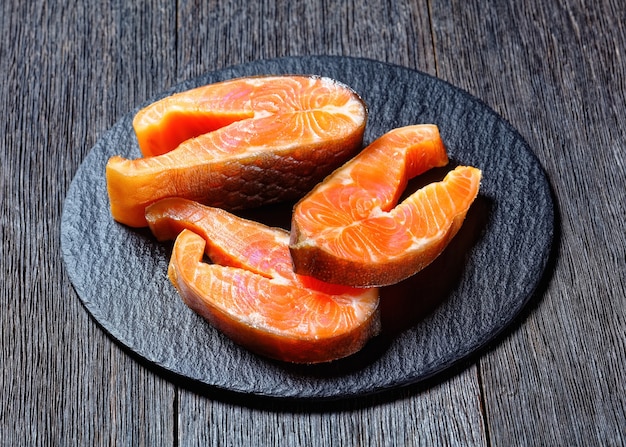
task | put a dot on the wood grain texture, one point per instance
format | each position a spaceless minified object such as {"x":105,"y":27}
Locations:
{"x":447,"y":413}
{"x":555,"y":70}
{"x":558,"y":75}
{"x":214,"y":35}
{"x":67,"y":69}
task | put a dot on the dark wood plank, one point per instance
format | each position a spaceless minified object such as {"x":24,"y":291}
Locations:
{"x":446,"y":413}
{"x":70,"y":70}
{"x":557,"y":72}
{"x":219,"y":34}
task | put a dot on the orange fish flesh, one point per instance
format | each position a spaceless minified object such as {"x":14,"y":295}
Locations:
{"x":237,"y":144}
{"x":251,"y":293}
{"x":348,"y":230}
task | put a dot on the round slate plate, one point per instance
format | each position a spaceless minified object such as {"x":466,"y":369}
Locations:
{"x":430,"y":321}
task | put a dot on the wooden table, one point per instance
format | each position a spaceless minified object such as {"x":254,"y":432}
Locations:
{"x":555,"y":70}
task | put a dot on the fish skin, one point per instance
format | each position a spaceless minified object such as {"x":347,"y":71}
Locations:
{"x":251,"y":292}
{"x":349,"y":229}
{"x":277,"y":147}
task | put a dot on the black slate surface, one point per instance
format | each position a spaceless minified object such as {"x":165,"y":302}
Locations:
{"x":447,"y":312}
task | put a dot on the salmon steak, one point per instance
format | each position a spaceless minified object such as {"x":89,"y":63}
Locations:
{"x":237,"y":144}
{"x":350,"y":230}
{"x":250,"y":291}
